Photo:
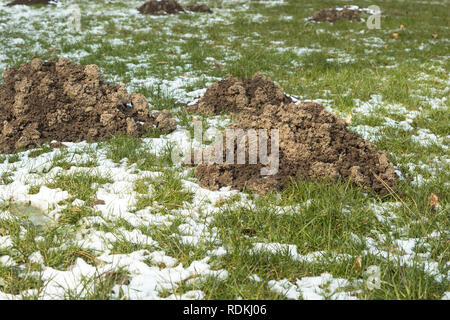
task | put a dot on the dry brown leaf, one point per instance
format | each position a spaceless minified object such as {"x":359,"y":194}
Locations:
{"x":218,"y":65}
{"x":87,"y":255}
{"x":162,"y":62}
{"x":358,"y":262}
{"x":97,"y":202}
{"x":395,"y":250}
{"x":189,"y":278}
{"x":433,"y":200}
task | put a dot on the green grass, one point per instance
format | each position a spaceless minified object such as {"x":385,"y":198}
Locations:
{"x":79,"y":185}
{"x":37,"y":152}
{"x":120,"y":148}
{"x":168,"y":57}
{"x":166,"y":190}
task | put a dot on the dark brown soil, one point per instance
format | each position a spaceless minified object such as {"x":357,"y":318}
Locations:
{"x":239,"y":95}
{"x":56,"y":100}
{"x":313,"y":145}
{"x":161,"y":7}
{"x":31,"y":2}
{"x":199,"y":8}
{"x":332,"y":15}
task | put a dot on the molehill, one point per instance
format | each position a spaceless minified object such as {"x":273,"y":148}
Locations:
{"x":31,"y":2}
{"x":333,"y":15}
{"x":56,"y":100}
{"x":165,"y":7}
{"x":314,"y":144}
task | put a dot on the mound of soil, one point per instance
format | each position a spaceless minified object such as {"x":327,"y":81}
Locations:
{"x":199,"y":8}
{"x":314,"y":144}
{"x":332,"y":15}
{"x":239,"y":95}
{"x":160,"y":7}
{"x":31,"y":2}
{"x":56,"y":100}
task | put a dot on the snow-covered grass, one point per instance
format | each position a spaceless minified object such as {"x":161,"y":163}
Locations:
{"x":119,"y":220}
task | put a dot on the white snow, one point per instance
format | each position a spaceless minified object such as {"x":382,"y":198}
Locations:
{"x":314,"y":288}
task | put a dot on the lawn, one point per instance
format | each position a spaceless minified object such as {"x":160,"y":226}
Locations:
{"x":121,"y":220}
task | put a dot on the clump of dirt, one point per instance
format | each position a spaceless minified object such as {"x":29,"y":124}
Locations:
{"x":199,"y":8}
{"x":55,"y":100}
{"x":161,"y":7}
{"x":313,"y":144}
{"x":333,"y":14}
{"x":240,"y":95}
{"x":31,"y":2}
